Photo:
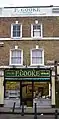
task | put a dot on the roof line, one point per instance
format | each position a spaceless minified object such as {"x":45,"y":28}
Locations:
{"x":31,"y":6}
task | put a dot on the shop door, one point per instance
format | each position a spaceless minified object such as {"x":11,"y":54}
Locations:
{"x":27,"y":93}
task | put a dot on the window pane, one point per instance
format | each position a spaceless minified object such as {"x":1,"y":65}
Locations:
{"x":36,"y":60}
{"x":18,"y":27}
{"x":37,"y":56}
{"x":36,"y":33}
{"x":14,"y":27}
{"x":33,"y":53}
{"x":18,"y":33}
{"x":16,"y":30}
{"x":36,"y":53}
{"x":16,"y":57}
{"x":13,"y":53}
{"x":13,"y":61}
{"x":33,"y":60}
{"x":14,"y":34}
{"x":36,"y":30}
{"x":16,"y":61}
{"x":36,"y":27}
{"x":16,"y":53}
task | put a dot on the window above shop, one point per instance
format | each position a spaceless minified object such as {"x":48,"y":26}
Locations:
{"x":16,"y":57}
{"x":16,"y":30}
{"x":36,"y":30}
{"x":37,"y":57}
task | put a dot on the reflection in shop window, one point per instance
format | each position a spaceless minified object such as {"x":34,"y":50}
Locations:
{"x":12,"y":89}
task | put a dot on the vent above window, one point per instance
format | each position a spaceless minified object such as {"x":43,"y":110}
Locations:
{"x":55,"y":10}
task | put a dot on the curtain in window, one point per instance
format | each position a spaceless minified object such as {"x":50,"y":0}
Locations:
{"x":36,"y":57}
{"x":16,"y":57}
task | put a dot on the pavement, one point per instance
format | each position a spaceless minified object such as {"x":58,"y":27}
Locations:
{"x":27,"y":114}
{"x":6,"y":112}
{"x":26,"y":117}
{"x":29,"y":110}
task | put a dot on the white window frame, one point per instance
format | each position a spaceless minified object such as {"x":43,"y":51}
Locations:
{"x":11,"y":56}
{"x":12,"y":30}
{"x":32,"y":31}
{"x":42,"y":57}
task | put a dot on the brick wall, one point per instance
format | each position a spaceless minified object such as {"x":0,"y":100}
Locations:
{"x":50,"y":26}
{"x":50,"y":29}
{"x":51,"y":50}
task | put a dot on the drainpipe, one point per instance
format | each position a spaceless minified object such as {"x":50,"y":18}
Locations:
{"x":55,"y":65}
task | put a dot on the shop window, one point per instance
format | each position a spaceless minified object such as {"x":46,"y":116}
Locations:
{"x":16,"y":30}
{"x":12,"y":89}
{"x":37,"y":57}
{"x":36,"y":30}
{"x":16,"y":57}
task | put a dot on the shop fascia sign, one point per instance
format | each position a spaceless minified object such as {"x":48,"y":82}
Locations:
{"x":27,"y":11}
{"x":28,"y":73}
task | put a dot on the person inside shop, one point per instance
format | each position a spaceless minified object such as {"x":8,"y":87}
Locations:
{"x":37,"y":94}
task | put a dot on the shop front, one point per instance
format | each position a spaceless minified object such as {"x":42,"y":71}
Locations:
{"x":27,"y":84}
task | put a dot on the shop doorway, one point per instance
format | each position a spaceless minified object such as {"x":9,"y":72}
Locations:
{"x":26,"y":93}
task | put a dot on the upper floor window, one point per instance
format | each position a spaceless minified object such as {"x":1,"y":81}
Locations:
{"x":16,"y":57}
{"x":36,"y":30}
{"x":37,"y":57}
{"x":16,"y":30}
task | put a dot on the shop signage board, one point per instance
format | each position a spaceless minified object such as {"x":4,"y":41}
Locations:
{"x":27,"y":74}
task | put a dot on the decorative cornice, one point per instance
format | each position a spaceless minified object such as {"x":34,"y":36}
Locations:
{"x":28,"y":38}
{"x":29,"y":11}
